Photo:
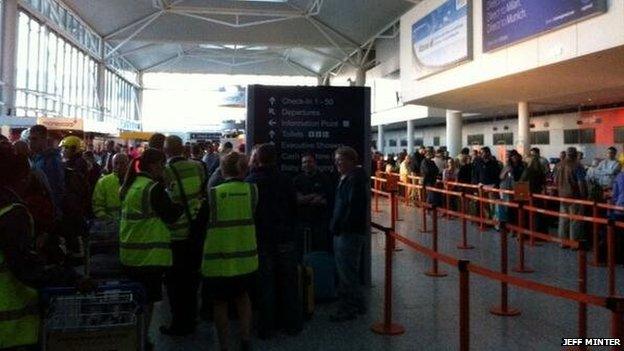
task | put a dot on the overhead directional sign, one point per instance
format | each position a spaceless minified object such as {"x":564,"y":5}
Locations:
{"x":301,"y":120}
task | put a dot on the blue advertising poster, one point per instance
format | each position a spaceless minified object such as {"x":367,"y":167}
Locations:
{"x":509,"y":21}
{"x":441,"y":39}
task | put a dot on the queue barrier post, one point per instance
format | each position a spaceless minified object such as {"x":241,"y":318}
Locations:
{"x":616,"y":305}
{"x":423,"y":206}
{"x":598,"y":261}
{"x":464,"y":226}
{"x":531,"y":223}
{"x":521,"y":268}
{"x":435,"y":272}
{"x":611,"y":257}
{"x":394,"y":213}
{"x":376,"y":195}
{"x":481,"y":209}
{"x":504,"y":309}
{"x":582,"y":288}
{"x":387,"y":327}
{"x":464,"y":305}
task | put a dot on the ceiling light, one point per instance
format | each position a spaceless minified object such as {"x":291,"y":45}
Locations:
{"x":211,"y":46}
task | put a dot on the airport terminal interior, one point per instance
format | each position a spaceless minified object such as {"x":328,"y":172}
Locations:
{"x":311,"y":175}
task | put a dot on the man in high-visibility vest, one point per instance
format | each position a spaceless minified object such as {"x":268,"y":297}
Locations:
{"x":185,"y":179}
{"x":230,"y":256}
{"x":106,"y":202}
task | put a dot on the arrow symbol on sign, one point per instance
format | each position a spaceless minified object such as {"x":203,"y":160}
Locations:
{"x":272,"y":134}
{"x":272,"y":100}
{"x":272,"y":123}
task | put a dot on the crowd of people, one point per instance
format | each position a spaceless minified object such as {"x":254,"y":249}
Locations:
{"x":187,"y":218}
{"x":564,"y":176}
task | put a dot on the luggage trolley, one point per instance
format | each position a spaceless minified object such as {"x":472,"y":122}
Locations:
{"x":106,"y":320}
{"x":102,"y":250}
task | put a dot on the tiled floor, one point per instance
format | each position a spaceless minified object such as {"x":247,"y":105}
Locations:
{"x":428,"y":307}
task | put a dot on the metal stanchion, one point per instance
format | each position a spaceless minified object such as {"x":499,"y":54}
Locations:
{"x":464,"y":305}
{"x":521,"y":268}
{"x":481,"y":210}
{"x":504,"y":309}
{"x":582,"y":287}
{"x":423,"y":206}
{"x":597,"y":259}
{"x":616,"y":305}
{"x":464,"y":226}
{"x":611,"y":258}
{"x":435,"y":272}
{"x":394,"y":213}
{"x":387,"y":327}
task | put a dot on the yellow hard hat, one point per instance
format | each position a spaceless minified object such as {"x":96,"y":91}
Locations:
{"x":72,"y":141}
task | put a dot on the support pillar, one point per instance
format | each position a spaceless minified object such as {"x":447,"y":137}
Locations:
{"x":100,"y":84}
{"x":360,"y":77}
{"x":453,"y":132}
{"x":323,"y":81}
{"x":410,"y":137}
{"x":380,"y":138}
{"x":140,"y":97}
{"x":524,"y":136}
{"x":9,"y":56}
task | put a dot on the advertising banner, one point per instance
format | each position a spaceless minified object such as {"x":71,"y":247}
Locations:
{"x":442,"y":38}
{"x":509,"y":21}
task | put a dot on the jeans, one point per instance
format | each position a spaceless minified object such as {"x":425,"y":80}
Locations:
{"x":570,"y":229}
{"x":348,"y":252}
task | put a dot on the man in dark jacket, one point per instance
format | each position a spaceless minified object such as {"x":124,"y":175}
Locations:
{"x":275,"y":230}
{"x":487,"y":171}
{"x":348,"y":224}
{"x":314,"y":195}
{"x":430,"y":171}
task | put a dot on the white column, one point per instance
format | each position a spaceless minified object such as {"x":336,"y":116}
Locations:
{"x":524,"y":135}
{"x":360,"y":77}
{"x":453,"y":132}
{"x":9,"y":55}
{"x":380,"y":138}
{"x":140,"y":97}
{"x":101,"y":84}
{"x":410,"y":137}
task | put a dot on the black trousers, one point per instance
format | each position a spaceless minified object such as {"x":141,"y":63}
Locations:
{"x":278,"y":302}
{"x":182,"y":284}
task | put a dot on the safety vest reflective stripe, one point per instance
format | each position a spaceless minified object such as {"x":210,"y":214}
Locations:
{"x":233,"y":223}
{"x":230,"y":255}
{"x":144,"y":246}
{"x":31,"y":308}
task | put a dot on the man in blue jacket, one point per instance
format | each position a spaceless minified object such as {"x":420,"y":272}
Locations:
{"x":348,"y":225}
{"x":47,"y":159}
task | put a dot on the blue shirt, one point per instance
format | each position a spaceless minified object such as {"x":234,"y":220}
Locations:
{"x":618,"y":190}
{"x":49,"y":162}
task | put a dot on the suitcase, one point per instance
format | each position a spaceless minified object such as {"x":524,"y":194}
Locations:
{"x":306,"y":290}
{"x":324,"y":268}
